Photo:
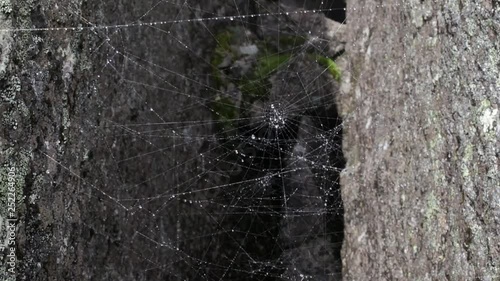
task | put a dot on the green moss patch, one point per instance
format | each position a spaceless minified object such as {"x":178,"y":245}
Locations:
{"x":226,"y":112}
{"x":330,"y":65}
{"x":269,"y":64}
{"x":255,"y":84}
{"x":222,"y":50}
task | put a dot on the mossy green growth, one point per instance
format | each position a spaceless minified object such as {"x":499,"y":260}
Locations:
{"x":225,"y":112}
{"x":291,"y":41}
{"x":224,"y":40}
{"x":222,"y":50}
{"x":257,"y":85}
{"x":254,"y":89}
{"x":269,"y":64}
{"x":330,"y":65}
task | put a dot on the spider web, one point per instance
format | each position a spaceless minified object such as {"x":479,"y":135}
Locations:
{"x":221,"y":162}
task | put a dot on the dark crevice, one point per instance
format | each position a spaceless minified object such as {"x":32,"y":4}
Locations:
{"x":258,"y":193}
{"x":267,"y":203}
{"x":336,"y":8}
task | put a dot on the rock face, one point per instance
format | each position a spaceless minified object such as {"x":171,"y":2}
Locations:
{"x":421,"y":188}
{"x":64,"y":95}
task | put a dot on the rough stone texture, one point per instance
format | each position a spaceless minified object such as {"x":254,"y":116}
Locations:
{"x":45,"y":88}
{"x":95,"y":199}
{"x":59,"y":109}
{"x":421,"y":187}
